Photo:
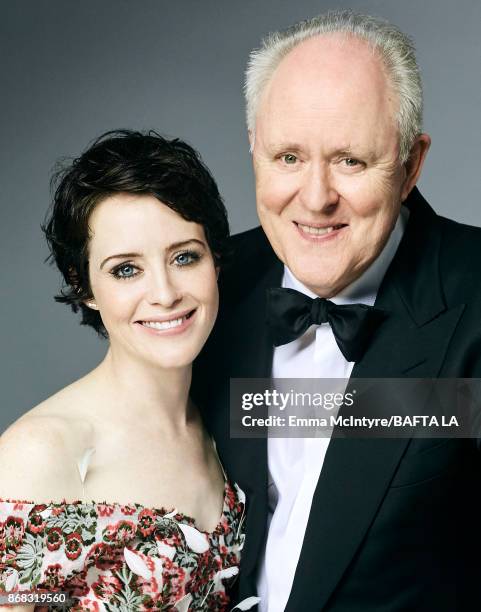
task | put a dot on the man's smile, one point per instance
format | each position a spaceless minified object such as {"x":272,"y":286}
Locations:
{"x":316,"y":231}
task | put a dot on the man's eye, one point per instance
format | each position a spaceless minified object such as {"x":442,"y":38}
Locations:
{"x":125,"y":271}
{"x":186,"y":258}
{"x":289,"y":158}
{"x":351,"y":162}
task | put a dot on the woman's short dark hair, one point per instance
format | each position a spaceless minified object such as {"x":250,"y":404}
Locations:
{"x":126,"y":161}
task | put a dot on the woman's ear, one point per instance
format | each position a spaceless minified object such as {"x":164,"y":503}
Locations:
{"x":91,"y":304}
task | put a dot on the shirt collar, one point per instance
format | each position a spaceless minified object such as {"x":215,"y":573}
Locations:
{"x":364,"y":289}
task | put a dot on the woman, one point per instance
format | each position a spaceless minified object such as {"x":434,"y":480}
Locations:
{"x":111,"y":490}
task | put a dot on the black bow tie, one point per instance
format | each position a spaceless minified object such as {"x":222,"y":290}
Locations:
{"x":290,"y":313}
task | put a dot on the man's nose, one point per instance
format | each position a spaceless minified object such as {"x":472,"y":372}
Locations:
{"x":162,"y":289}
{"x":318,"y":193}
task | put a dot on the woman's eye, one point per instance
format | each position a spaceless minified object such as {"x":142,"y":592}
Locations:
{"x":125,"y":271}
{"x":289,"y":158}
{"x":186,"y":258}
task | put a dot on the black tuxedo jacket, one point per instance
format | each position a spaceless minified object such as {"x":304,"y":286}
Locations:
{"x":395,"y":524}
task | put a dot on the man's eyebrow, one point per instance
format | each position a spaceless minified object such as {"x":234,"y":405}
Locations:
{"x":352,"y":151}
{"x":171,"y":247}
{"x":285,"y":146}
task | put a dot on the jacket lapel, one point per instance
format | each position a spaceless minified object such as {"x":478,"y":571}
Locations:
{"x":411,"y":342}
{"x":249,"y":355}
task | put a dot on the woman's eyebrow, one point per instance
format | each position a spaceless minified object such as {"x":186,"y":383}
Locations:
{"x":182,"y":243}
{"x":119,"y":256}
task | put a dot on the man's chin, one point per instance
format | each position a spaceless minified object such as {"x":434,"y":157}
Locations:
{"x":322,"y":287}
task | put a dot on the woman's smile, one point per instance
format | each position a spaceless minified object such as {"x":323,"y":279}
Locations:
{"x":176,"y":324}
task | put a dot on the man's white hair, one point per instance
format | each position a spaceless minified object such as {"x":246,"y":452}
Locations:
{"x":395,"y":48}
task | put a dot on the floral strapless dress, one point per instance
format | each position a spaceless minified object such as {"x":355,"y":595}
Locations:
{"x":110,"y":557}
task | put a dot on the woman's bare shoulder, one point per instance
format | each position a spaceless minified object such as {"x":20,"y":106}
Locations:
{"x":38,"y":451}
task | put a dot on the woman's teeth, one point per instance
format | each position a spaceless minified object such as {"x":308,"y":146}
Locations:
{"x":163,"y":324}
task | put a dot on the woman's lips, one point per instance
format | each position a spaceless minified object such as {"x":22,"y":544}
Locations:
{"x":169,"y":327}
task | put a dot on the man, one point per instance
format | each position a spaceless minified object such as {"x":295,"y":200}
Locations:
{"x":334,"y":108}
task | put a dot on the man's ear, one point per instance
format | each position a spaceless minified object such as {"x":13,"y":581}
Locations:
{"x":415,"y":162}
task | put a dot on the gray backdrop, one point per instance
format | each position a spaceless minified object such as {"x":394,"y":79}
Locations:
{"x":71,"y":70}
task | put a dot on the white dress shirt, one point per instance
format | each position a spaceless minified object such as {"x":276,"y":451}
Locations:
{"x":294,"y":464}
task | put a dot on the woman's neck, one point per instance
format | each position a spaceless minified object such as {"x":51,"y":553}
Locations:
{"x":138,"y":390}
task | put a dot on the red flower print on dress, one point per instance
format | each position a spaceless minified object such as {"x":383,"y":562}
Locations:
{"x":58,"y":510}
{"x":230,"y":558}
{"x":36,"y":524}
{"x":73,"y":546}
{"x":78,"y":586}
{"x":100,"y":555}
{"x":161,"y":580}
{"x":157,"y":560}
{"x":224,"y":551}
{"x":230,"y":498}
{"x":87,"y":605}
{"x":170,"y":535}
{"x":106,"y":586}
{"x":146,"y":520}
{"x":105,"y":509}
{"x":120,"y":532}
{"x":223,"y":527}
{"x":125,"y":531}
{"x":105,"y":556}
{"x":205,"y":570}
{"x":174,"y":582}
{"x":14,"y":529}
{"x":53,"y":576}
{"x":54,"y":538}
{"x":217,"y":600}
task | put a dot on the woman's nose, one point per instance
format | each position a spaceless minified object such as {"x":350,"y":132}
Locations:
{"x":163,"y":290}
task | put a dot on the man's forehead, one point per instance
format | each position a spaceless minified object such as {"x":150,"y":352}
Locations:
{"x":333,"y":64}
{"x":329,"y":52}
{"x":339,"y":82}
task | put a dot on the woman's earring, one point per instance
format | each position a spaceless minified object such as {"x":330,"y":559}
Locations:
{"x":92,"y":305}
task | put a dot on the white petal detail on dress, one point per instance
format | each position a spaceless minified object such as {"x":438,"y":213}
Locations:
{"x":195,"y":540}
{"x":11,"y":581}
{"x":137,"y":564}
{"x":183,"y":604}
{"x":242,"y":498}
{"x":165,"y":550}
{"x":157,"y":573}
{"x":240,"y":494}
{"x":170,"y":514}
{"x":247,"y":604}
{"x":46,"y":513}
{"x":228,"y":572}
{"x":83,"y":463}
